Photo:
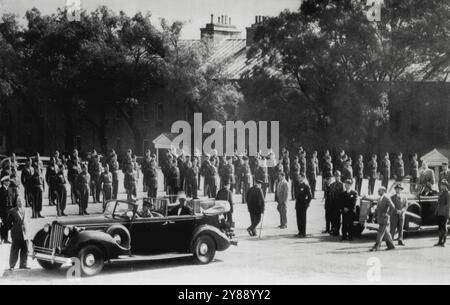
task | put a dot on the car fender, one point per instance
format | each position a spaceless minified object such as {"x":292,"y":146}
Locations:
{"x":99,"y":238}
{"x":221,"y":239}
{"x":412,"y":205}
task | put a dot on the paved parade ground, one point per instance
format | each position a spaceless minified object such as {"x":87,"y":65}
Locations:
{"x":278,"y":257}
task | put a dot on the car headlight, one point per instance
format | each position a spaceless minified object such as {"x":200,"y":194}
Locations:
{"x":66,"y":231}
{"x":47,"y":228}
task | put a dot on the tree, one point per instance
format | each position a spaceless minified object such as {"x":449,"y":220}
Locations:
{"x":340,"y":72}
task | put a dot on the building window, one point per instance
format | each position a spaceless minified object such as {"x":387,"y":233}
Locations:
{"x":147,"y":112}
{"x":78,"y":143}
{"x":145,"y":145}
{"x":159,"y":113}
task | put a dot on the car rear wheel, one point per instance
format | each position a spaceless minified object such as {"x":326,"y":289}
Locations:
{"x":204,"y":249}
{"x":92,"y":260}
{"x":48,"y":265}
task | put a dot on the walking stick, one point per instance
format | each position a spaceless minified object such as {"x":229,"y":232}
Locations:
{"x":260,"y":228}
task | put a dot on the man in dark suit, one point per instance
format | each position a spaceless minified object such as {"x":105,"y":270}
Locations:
{"x":303,"y":197}
{"x":359,"y":174}
{"x":348,"y":203}
{"x":17,"y":222}
{"x":256,"y":206}
{"x":180,"y":209}
{"x":5,"y":206}
{"x":334,"y":196}
{"x":224,"y":194}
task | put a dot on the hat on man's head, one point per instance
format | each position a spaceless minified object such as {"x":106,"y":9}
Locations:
{"x":349,"y":181}
{"x":226,"y":182}
{"x":259,"y":181}
{"x":399,"y":186}
{"x":337,"y":173}
{"x":5,"y":179}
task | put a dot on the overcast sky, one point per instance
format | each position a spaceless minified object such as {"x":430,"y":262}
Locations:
{"x":196,"y":13}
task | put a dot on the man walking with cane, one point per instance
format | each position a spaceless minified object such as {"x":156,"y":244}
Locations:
{"x":256,"y":206}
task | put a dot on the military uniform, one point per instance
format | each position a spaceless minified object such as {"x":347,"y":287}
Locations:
{"x":106,"y":184}
{"x":444,"y":175}
{"x":152,"y":182}
{"x":60,"y":191}
{"x":146,"y":164}
{"x":37,"y":188}
{"x":399,"y":169}
{"x":95,"y":171}
{"x":246,"y":181}
{"x":295,"y":173}
{"x":73,"y":170}
{"x":372,"y":171}
{"x":359,"y":176}
{"x":414,"y":171}
{"x":262,"y":175}
{"x":312,"y":169}
{"x":347,"y":172}
{"x":114,"y":169}
{"x":327,"y":172}
{"x":173,"y":180}
{"x":303,"y":197}
{"x":13,"y":190}
{"x":50,"y":179}
{"x":385,"y":172}
{"x":83,"y":182}
{"x":25,"y":178}
{"x":286,"y":166}
{"x":192,"y":181}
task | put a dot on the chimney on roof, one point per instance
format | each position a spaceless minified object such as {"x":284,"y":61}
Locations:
{"x":252,"y":29}
{"x":223,"y":29}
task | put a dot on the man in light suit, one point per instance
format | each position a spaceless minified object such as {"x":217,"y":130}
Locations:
{"x":17,"y":221}
{"x":427,"y":175}
{"x":397,"y":216}
{"x":281,"y":197}
{"x":382,"y":213}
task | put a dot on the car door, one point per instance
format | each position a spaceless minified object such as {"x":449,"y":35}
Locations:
{"x":149,"y":236}
{"x":178,"y":230}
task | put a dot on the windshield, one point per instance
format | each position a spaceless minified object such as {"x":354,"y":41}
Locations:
{"x":119,"y":209}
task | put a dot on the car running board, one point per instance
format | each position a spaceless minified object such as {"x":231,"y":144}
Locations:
{"x":142,"y":258}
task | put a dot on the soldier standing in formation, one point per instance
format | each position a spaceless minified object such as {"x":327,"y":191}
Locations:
{"x":372,"y":170}
{"x":347,"y":170}
{"x":348,"y":204}
{"x":414,"y":171}
{"x":105,"y":183}
{"x":60,"y":191}
{"x":83,"y":182}
{"x":95,"y":171}
{"x":246,"y":179}
{"x":37,"y":189}
{"x":427,"y":178}
{"x":445,"y":174}
{"x":359,"y":174}
{"x":173,"y":178}
{"x":286,"y":163}
{"x":385,"y":171}
{"x":397,"y":216}
{"x":303,"y":197}
{"x":27,"y":172}
{"x":50,"y":179}
{"x":145,"y":169}
{"x":399,"y":168}
{"x":327,"y":171}
{"x":114,"y":168}
{"x":327,"y":206}
{"x":192,"y":178}
{"x":295,"y":173}
{"x":312,"y":170}
{"x":152,"y":180}
{"x":73,"y":170}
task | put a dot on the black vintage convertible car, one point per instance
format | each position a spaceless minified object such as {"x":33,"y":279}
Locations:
{"x":124,"y":233}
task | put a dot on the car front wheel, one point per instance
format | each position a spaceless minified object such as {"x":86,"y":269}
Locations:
{"x":204,"y":249}
{"x":92,"y":260}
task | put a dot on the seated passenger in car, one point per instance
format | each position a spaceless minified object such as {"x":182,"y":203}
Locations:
{"x":146,"y":211}
{"x":181,"y":208}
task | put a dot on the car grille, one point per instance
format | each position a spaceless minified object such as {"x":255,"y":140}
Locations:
{"x":56,"y":237}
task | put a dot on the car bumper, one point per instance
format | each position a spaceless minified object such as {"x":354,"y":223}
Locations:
{"x":52,"y":258}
